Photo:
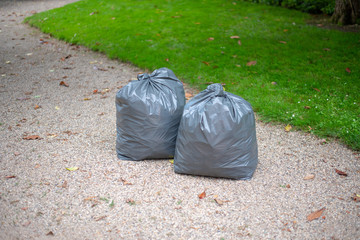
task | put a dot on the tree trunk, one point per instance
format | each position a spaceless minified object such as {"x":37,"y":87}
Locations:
{"x":346,"y":12}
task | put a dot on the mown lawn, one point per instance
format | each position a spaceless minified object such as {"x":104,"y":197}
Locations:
{"x":289,"y":71}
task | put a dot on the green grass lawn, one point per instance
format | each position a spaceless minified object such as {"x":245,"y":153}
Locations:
{"x":304,"y":76}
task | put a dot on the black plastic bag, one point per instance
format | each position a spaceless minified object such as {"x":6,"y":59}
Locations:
{"x":148,"y":114}
{"x":217,"y":136}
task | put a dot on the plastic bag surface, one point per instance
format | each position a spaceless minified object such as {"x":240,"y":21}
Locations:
{"x":148,"y":114}
{"x":217,"y":136}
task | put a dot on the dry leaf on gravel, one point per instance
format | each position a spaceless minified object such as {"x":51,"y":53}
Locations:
{"x":130,"y":202}
{"x":341,"y":173}
{"x":218,"y":201}
{"x":72,"y":168}
{"x":315,"y":215}
{"x":8,"y":177}
{"x":310,"y":176}
{"x":288,"y":128}
{"x":188,"y":95}
{"x":202,"y":195}
{"x":65,"y":184}
{"x":125,"y":182}
{"x":356,"y":197}
{"x":32,"y":137}
{"x":100,"y":218}
{"x":62,"y":83}
{"x":50,"y":233}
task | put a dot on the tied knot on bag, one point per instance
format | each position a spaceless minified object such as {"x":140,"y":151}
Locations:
{"x":218,"y":90}
{"x":144,"y":76}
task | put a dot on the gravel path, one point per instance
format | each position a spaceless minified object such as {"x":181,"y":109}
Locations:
{"x":111,"y":199}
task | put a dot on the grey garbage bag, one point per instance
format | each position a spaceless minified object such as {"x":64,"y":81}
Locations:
{"x":148,"y":114}
{"x":217,"y":136}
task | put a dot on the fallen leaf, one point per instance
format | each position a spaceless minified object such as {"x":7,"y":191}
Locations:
{"x":50,"y":233}
{"x":326,"y":49}
{"x":307,"y":107}
{"x":288,"y":128}
{"x":23,"y":98}
{"x":356,"y":197}
{"x":42,"y":41}
{"x":8,"y":177}
{"x":218,"y":201}
{"x":310,"y":176}
{"x":188,"y":95}
{"x":239,"y":42}
{"x":87,"y":99}
{"x":202,"y":195}
{"x":234,"y":37}
{"x":105,"y":90}
{"x":283,"y":42}
{"x":315,"y":215}
{"x":171,"y":161}
{"x":57,"y":107}
{"x":95,"y":91}
{"x":130,"y":202}
{"x":16,"y":153}
{"x":37,"y":107}
{"x":316,"y":89}
{"x":100,"y":218}
{"x":32,"y":137}
{"x":348,"y":70}
{"x":206,"y":63}
{"x":72,"y":168}
{"x":341,"y":173}
{"x":251,"y":63}
{"x":26,"y":223}
{"x":62,"y":83}
{"x":65,"y":184}
{"x":125,"y":182}
{"x":285,"y":30}
{"x":210,"y":39}
{"x":288,"y":186}
{"x":24,"y":208}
